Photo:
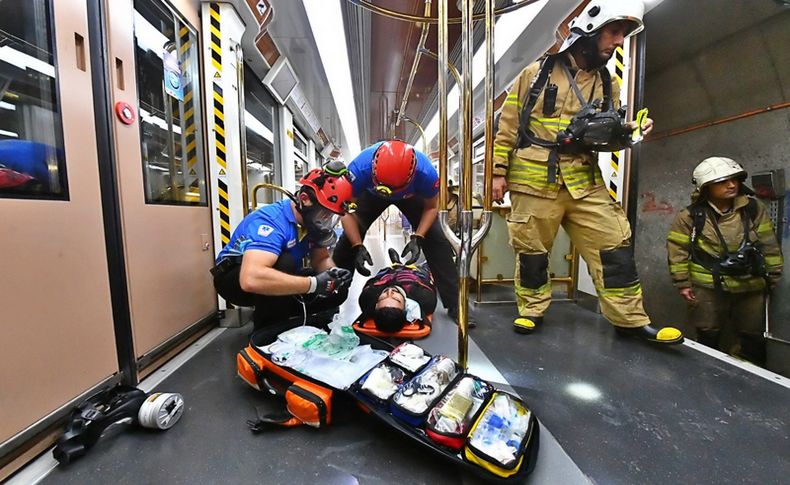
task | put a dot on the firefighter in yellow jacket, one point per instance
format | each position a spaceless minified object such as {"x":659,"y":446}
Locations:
{"x":723,"y":257}
{"x":558,"y":115}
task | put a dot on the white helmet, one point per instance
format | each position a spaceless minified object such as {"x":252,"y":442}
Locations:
{"x":601,"y":12}
{"x":716,"y":169}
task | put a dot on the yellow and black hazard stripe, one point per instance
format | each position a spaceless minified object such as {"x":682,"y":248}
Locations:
{"x":216,"y":42}
{"x":220,"y":151}
{"x":619,"y":67}
{"x":193,"y":188}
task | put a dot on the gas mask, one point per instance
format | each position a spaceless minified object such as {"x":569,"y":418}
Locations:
{"x":592,"y":129}
{"x":319,"y":223}
{"x":747,"y":261}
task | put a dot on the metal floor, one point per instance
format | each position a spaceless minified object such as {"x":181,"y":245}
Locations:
{"x":613,"y":410}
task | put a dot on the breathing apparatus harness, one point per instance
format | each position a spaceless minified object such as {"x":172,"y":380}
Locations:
{"x":746,"y":261}
{"x":596,"y":127}
{"x":116,"y":406}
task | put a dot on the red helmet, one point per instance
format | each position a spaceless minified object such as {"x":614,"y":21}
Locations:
{"x":332,"y":189}
{"x":11,"y":178}
{"x":394,"y":164}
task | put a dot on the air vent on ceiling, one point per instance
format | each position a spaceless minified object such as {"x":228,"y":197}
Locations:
{"x":281,"y":79}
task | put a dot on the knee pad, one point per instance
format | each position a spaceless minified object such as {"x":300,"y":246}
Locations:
{"x":619,"y":268}
{"x":533,"y":270}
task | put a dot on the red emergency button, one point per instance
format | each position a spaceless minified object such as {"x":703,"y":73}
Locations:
{"x":124,"y":112}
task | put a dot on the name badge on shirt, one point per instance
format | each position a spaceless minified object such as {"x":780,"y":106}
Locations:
{"x":264,"y":230}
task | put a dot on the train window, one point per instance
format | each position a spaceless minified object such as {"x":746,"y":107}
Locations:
{"x":300,"y":155}
{"x":259,"y":118}
{"x":168,"y":90}
{"x":32,"y":160}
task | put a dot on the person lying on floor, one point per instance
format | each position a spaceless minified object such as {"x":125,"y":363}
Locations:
{"x":398,"y":295}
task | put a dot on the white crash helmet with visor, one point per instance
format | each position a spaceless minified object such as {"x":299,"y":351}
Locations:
{"x":599,"y":13}
{"x":716,"y":169}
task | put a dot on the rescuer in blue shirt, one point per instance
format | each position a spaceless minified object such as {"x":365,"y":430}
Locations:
{"x":394,"y":173}
{"x":261,"y":265}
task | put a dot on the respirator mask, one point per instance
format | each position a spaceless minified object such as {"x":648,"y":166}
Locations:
{"x":747,"y":261}
{"x":595,"y":130}
{"x":320,"y":222}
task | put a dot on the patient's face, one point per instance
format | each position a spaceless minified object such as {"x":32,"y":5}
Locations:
{"x":391,"y":298}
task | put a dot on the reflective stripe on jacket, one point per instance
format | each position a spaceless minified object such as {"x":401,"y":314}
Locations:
{"x":685,"y":272}
{"x":526,"y":168}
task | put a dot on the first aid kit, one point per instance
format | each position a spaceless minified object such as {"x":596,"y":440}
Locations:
{"x":457,"y":416}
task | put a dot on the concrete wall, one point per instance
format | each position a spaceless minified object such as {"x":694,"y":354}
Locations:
{"x":747,"y":69}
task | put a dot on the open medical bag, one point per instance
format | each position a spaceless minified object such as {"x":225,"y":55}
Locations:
{"x":427,"y":398}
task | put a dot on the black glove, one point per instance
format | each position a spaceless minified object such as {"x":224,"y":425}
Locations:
{"x":362,"y":256}
{"x":332,"y":281}
{"x":414,"y":247}
{"x":394,"y":256}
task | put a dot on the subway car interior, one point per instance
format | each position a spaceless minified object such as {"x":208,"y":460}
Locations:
{"x":138,"y":139}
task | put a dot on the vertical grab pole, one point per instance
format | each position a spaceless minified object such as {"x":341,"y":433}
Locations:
{"x":465,"y":200}
{"x":442,"y":78}
{"x":489,"y":97}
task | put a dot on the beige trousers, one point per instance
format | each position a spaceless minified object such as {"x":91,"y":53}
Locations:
{"x":601,"y":233}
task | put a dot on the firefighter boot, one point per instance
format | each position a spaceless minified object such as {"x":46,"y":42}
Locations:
{"x":753,"y":349}
{"x":708,"y":337}
{"x":527,"y":324}
{"x":650,"y":333}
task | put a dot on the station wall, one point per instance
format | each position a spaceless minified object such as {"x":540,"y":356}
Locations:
{"x":747,"y":70}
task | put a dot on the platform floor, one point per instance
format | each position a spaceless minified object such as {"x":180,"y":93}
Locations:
{"x":613,"y":410}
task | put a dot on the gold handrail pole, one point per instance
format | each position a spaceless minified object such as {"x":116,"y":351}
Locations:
{"x":422,"y":133}
{"x":453,"y":70}
{"x":419,"y":20}
{"x":415,"y":64}
{"x":442,"y":81}
{"x":489,"y":97}
{"x":465,"y":219}
{"x":265,"y":186}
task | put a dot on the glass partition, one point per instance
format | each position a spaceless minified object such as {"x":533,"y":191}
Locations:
{"x":260,"y":121}
{"x":169,"y":97}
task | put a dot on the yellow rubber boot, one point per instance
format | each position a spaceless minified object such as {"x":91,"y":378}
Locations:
{"x":649,"y":333}
{"x":527,"y":324}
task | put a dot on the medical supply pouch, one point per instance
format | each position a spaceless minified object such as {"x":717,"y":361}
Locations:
{"x":417,"y":396}
{"x":409,"y":357}
{"x":501,"y":435}
{"x":378,"y":385}
{"x":450,"y":420}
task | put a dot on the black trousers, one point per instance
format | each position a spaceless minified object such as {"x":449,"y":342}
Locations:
{"x":438,"y":252}
{"x":271,"y":309}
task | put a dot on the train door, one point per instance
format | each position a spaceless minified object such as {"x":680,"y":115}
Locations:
{"x":56,"y":323}
{"x":153,"y":50}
